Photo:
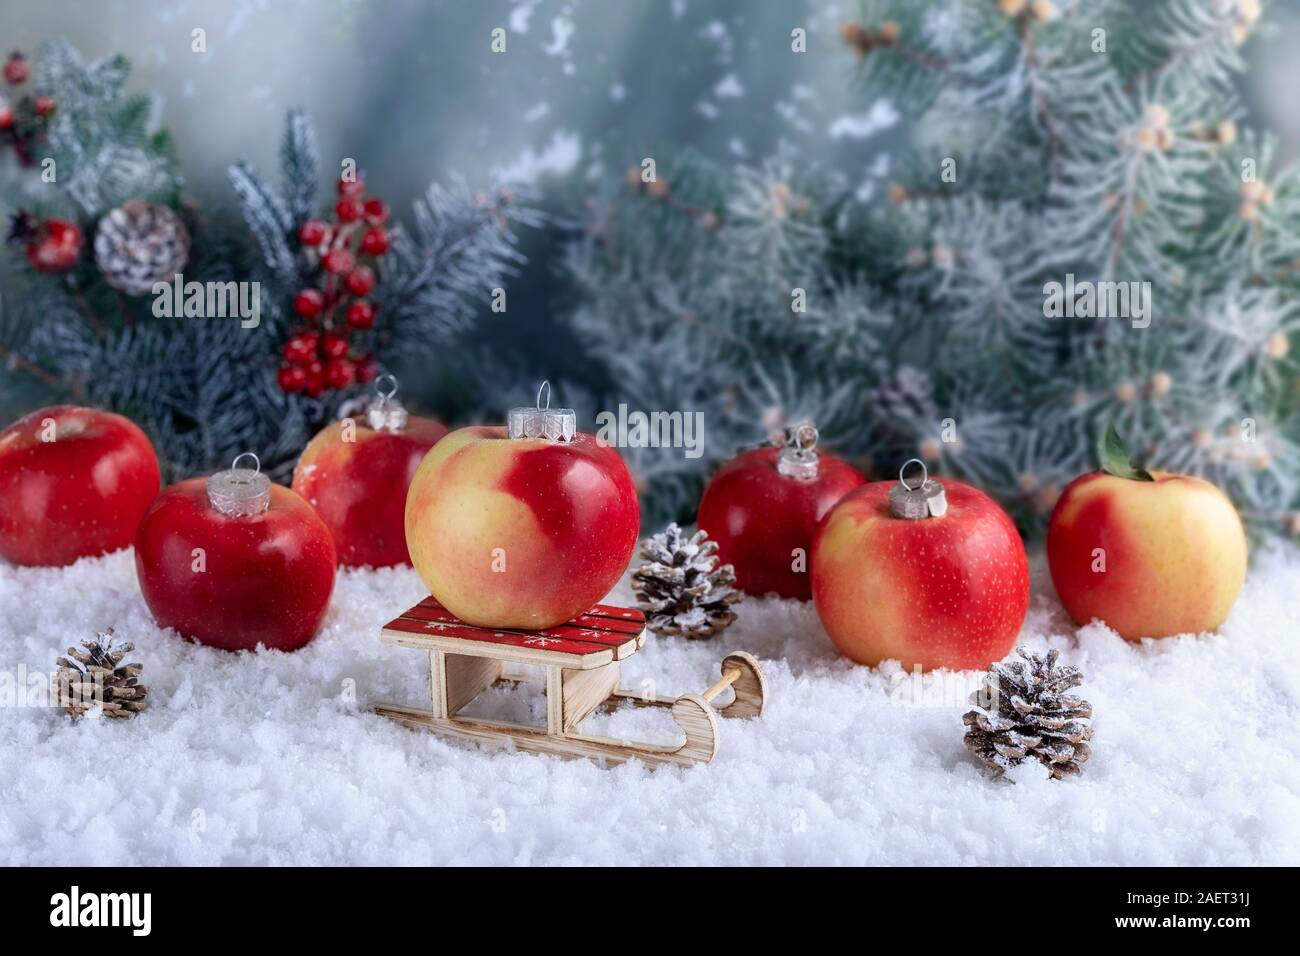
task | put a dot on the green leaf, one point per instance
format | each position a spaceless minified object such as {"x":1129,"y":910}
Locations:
{"x":1114,"y":457}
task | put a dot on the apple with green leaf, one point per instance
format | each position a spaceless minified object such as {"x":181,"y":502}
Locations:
{"x":1151,"y":554}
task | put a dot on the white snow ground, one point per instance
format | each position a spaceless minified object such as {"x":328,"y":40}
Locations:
{"x":261,"y":758}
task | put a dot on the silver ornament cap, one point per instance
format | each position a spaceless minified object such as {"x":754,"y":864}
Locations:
{"x":798,"y":457}
{"x":240,"y":492}
{"x":385,"y":413}
{"x":915,"y":498}
{"x":542,"y":421}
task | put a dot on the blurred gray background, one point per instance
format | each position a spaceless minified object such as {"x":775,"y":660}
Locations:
{"x":412,"y":91}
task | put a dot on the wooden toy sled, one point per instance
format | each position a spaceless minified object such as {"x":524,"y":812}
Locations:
{"x":580,"y":661}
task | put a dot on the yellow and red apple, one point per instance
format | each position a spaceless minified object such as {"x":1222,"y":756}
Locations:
{"x":73,"y":482}
{"x":1151,"y":558}
{"x":520,"y":532}
{"x":357,"y":477}
{"x":944,"y":591}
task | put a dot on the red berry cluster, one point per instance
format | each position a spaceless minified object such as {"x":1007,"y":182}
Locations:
{"x":320,"y":356}
{"x":23,"y":123}
{"x":51,"y":245}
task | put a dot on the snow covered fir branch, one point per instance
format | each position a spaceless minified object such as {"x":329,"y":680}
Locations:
{"x":1053,"y":144}
{"x":207,"y":390}
{"x":1089,"y":147}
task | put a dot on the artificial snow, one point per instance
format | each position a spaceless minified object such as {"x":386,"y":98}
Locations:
{"x":881,"y":116}
{"x":273,"y":758}
{"x":560,"y":154}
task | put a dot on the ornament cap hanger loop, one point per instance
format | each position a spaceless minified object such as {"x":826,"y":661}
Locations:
{"x":542,"y":421}
{"x":912,"y":499}
{"x":386,"y":413}
{"x":925,"y":475}
{"x":805,"y":436}
{"x":240,"y":492}
{"x":257,"y":463}
{"x":386,"y":387}
{"x":798,"y":457}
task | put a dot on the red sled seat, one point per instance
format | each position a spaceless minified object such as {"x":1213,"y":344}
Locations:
{"x":600,"y":636}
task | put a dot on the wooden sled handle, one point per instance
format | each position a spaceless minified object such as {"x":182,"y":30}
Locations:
{"x":741,"y":671}
{"x":729,"y":676}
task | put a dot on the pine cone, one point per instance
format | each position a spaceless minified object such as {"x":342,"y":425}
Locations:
{"x":140,"y":243}
{"x":682,"y":589}
{"x":902,"y":399}
{"x":1026,"y":713}
{"x":96,"y":677}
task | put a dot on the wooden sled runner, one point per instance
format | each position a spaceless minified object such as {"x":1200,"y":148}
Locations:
{"x":581,"y":666}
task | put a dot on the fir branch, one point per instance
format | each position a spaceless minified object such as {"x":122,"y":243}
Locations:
{"x":15,"y":361}
{"x":86,"y":311}
{"x":300,"y":166}
{"x":931,"y":300}
{"x":1041,"y":109}
{"x":269,"y":220}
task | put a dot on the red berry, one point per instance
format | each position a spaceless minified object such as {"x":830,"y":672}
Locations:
{"x":300,"y":349}
{"x":308,"y":303}
{"x":367,"y":369}
{"x":351,"y":187}
{"x":349,"y":209}
{"x":313,"y":232}
{"x":338,"y":261}
{"x":376,"y":211}
{"x":54,"y":246}
{"x":360,"y":280}
{"x":374,"y":242}
{"x":334,"y":346}
{"x":44,"y":105}
{"x":340,"y":373}
{"x":16,"y":70}
{"x":291,"y":378}
{"x":315,"y":383}
{"x":361,"y":314}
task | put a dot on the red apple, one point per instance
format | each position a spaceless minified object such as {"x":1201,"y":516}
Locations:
{"x":234,"y":581}
{"x":946,"y":591}
{"x":1150,"y":558}
{"x":73,"y":482}
{"x":357,"y":478}
{"x":764,"y":520}
{"x":520,"y":532}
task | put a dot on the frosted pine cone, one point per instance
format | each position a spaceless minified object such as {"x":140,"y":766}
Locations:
{"x":900,"y":399}
{"x":682,"y":590}
{"x":1025,"y":713}
{"x":140,"y":243}
{"x":95,"y":677}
